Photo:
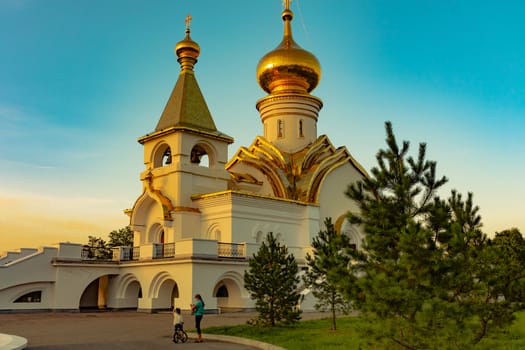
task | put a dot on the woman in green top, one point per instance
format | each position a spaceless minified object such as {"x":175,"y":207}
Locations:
{"x":198,"y":311}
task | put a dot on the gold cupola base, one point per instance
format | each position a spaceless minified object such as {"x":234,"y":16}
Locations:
{"x":290,"y":119}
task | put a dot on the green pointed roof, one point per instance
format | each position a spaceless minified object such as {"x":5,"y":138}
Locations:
{"x":186,"y":106}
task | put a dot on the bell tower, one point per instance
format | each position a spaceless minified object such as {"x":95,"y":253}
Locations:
{"x":185,"y":155}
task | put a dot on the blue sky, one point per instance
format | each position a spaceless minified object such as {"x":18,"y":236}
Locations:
{"x":81,"y":80}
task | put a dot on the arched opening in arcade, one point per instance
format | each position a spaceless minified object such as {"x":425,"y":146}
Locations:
{"x":95,"y":295}
{"x":132,"y":295}
{"x":168,"y":295}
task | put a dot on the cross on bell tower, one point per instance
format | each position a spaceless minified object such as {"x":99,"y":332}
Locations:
{"x":188,"y":22}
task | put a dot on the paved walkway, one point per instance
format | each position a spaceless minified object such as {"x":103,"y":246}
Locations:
{"x":126,"y":330}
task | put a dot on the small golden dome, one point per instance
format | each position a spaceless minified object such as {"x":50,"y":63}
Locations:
{"x":187,"y":50}
{"x":187,"y":47}
{"x":288,"y":66}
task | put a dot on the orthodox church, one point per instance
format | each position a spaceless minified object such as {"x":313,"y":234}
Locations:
{"x":202,"y":215}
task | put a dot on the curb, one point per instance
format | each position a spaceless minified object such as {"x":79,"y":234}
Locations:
{"x":237,"y":340}
{"x":12,"y":342}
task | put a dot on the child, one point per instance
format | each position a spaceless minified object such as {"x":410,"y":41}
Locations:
{"x":178,"y":321}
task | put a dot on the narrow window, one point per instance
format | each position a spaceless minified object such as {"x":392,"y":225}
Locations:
{"x":280,"y":128}
{"x":301,"y":134}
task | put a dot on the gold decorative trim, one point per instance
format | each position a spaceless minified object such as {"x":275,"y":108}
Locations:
{"x":339,"y":223}
{"x":187,"y":209}
{"x":216,"y":135}
{"x":246,"y":178}
{"x":286,"y":95}
{"x":164,"y":201}
{"x":248,"y":194}
{"x":295,"y":176}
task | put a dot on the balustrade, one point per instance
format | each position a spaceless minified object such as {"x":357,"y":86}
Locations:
{"x":231,"y":250}
{"x":163,"y":250}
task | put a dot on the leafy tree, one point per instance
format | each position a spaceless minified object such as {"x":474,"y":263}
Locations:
{"x":427,"y":272}
{"x":272,"y":282}
{"x":330,"y":259}
{"x":121,"y":238}
{"x":501,"y":267}
{"x":97,"y":248}
{"x":509,"y":247}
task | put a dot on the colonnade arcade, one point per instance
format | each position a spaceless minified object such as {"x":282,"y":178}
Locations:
{"x":161,"y":292}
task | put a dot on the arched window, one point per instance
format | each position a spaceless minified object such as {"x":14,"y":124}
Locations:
{"x":218,"y":235}
{"x":32,"y":297}
{"x":155,"y":233}
{"x":259,"y":237}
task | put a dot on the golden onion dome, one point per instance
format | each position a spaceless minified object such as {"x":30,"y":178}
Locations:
{"x":187,"y":50}
{"x":288,"y":66}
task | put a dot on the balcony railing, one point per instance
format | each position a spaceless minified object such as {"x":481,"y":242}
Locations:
{"x":231,"y":250}
{"x":135,"y":253}
{"x":169,"y":250}
{"x":147,"y":252}
{"x":163,"y":250}
{"x":90,"y":253}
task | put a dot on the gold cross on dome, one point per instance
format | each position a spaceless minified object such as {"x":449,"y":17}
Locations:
{"x":188,"y":20}
{"x":286,"y":4}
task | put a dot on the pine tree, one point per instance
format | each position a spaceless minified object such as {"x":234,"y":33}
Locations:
{"x":331,"y":257}
{"x":427,"y":272}
{"x":272,"y":282}
{"x":396,"y":269}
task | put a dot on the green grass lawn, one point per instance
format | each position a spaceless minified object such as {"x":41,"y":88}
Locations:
{"x":310,"y":335}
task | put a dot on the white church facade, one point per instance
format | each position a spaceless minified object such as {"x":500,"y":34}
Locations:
{"x":202,"y":215}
